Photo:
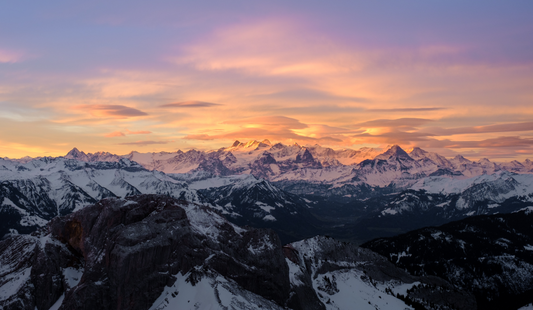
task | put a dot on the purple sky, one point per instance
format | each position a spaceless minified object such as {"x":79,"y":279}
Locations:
{"x":448,"y":76}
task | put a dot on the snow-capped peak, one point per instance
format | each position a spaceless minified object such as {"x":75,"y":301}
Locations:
{"x":395,"y":151}
{"x":461,"y":159}
{"x":76,"y":154}
{"x":417,"y":153}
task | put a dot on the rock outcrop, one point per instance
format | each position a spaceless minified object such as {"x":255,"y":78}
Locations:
{"x":126,"y":251}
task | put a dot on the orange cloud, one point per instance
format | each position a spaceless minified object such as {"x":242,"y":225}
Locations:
{"x":272,"y":47}
{"x":279,"y":128}
{"x":396,"y":79}
{"x":405,"y":123}
{"x":499,"y":142}
{"x":407,"y":132}
{"x":269,"y":121}
{"x":509,"y":127}
{"x":145,"y":143}
{"x":142,"y":132}
{"x":199,"y":137}
{"x":115,"y":134}
{"x":401,"y":132}
{"x":115,"y":84}
{"x":128,"y":132}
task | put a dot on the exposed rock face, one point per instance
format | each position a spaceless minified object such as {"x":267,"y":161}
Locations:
{"x":128,"y":251}
{"x":307,"y":159}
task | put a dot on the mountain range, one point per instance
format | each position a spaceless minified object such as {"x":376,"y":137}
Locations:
{"x":293,"y":162}
{"x":74,"y":226}
{"x":350,"y":194}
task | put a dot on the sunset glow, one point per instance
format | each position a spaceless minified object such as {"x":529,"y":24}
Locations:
{"x":450,"y":77}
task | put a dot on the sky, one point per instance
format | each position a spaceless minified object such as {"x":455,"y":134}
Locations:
{"x":454,"y":77}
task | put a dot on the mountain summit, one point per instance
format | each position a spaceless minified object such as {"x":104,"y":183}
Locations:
{"x":394,"y":152}
{"x":76,"y":154}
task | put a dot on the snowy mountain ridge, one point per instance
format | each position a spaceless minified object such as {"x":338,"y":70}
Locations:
{"x":34,"y":192}
{"x":271,"y":186}
{"x":314,"y":163}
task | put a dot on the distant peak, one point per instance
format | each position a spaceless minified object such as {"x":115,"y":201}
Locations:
{"x":253,"y":144}
{"x":416,"y":149}
{"x":393,"y":151}
{"x":417,"y":153}
{"x":460,"y":158}
{"x":396,"y":150}
{"x":75,"y":152}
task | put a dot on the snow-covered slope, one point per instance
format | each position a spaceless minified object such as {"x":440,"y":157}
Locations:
{"x":247,"y":200}
{"x":32,"y":193}
{"x":211,"y":291}
{"x":156,"y":252}
{"x":344,"y":276}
